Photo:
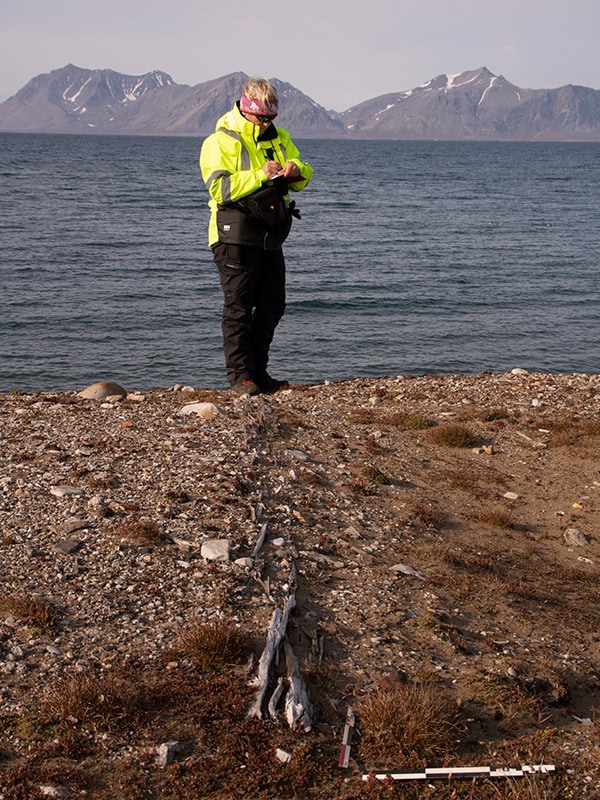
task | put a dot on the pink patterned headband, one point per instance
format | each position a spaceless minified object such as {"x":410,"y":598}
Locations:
{"x":249,"y":106}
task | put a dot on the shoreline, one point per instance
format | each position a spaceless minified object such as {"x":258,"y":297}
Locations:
{"x":135,"y":389}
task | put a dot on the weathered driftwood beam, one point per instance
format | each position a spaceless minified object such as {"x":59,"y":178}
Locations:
{"x":262,"y":678}
{"x":298,"y":708}
{"x":275,"y":697}
{"x":275,"y":636}
{"x":260,"y":541}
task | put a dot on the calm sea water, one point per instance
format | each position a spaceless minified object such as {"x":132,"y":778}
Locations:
{"x":410,"y":258}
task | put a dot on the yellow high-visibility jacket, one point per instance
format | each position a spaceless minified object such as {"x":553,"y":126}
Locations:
{"x":232,"y":160}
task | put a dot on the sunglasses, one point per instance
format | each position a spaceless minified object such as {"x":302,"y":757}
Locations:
{"x":264,"y":117}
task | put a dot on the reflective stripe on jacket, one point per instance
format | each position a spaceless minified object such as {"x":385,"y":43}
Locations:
{"x":232,"y":160}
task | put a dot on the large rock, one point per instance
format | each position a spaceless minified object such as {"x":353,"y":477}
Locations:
{"x":102,"y":389}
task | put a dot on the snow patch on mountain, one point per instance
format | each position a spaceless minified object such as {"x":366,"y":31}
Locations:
{"x":74,"y":97}
{"x":491,"y":84}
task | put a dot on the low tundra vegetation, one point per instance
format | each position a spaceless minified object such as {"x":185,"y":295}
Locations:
{"x":32,"y":611}
{"x":145,"y":532}
{"x":418,"y":719}
{"x":212,"y":644}
{"x":452,"y":434}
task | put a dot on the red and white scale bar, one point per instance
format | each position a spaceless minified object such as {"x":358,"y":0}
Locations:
{"x":344,"y":759}
{"x":464,"y":772}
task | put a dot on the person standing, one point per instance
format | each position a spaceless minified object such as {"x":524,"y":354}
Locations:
{"x":249,"y":167}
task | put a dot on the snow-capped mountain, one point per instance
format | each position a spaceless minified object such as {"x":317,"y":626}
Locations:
{"x":72,"y":98}
{"x":475,"y":104}
{"x":75,"y":100}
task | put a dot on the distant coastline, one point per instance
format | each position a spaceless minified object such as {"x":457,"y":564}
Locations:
{"x":475,"y":105}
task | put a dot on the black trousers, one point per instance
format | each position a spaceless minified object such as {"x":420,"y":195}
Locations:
{"x":253,"y":283}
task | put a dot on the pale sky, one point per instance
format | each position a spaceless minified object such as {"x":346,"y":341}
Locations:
{"x":338,"y":52}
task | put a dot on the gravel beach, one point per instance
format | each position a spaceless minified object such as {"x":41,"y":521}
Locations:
{"x":436,"y":529}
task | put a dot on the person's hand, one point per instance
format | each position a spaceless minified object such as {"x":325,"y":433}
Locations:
{"x":291,"y":172}
{"x":272,"y":169}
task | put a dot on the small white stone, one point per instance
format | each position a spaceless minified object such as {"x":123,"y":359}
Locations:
{"x":204,"y":410}
{"x":298,"y":455}
{"x":215,"y":550}
{"x":511,"y":495}
{"x":167,"y":751}
{"x":575,"y":538}
{"x":404,"y":569}
{"x":65,"y":491}
{"x":283,"y":756}
{"x":583,"y":720}
{"x":55,"y":791}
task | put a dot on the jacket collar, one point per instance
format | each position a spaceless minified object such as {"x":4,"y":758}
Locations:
{"x":244,"y":125}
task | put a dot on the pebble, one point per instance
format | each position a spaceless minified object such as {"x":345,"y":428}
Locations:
{"x":215,"y":550}
{"x":283,"y":756}
{"x":298,"y":455}
{"x":71,"y":525}
{"x":65,"y":491}
{"x":404,"y":569}
{"x":204,"y":410}
{"x":575,"y":538}
{"x":55,"y":791}
{"x":167,"y":751}
{"x":68,"y":546}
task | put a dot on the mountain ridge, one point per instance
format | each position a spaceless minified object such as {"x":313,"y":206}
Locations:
{"x":474,"y":104}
